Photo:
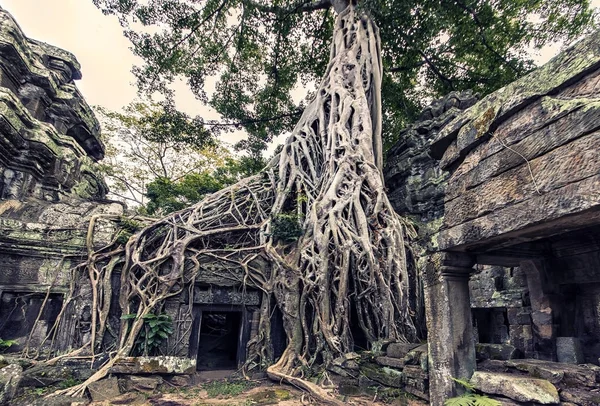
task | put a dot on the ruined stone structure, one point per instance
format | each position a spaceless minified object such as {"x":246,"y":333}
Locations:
{"x":49,"y":193}
{"x":506,"y":194}
{"x":49,"y":189}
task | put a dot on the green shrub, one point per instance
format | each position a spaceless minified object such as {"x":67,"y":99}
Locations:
{"x":470,"y":398}
{"x":286,"y":227}
{"x":156,"y":329}
{"x":6,"y":344}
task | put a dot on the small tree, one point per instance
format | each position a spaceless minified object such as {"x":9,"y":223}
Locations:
{"x":161,"y":157}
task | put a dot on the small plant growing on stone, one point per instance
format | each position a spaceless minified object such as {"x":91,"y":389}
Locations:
{"x":127,"y":228}
{"x":67,"y":383}
{"x":470,"y":398}
{"x":286,"y":227}
{"x":156,"y":329}
{"x":6,"y":344}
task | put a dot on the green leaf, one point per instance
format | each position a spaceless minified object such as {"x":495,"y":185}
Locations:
{"x":130,"y":316}
{"x":464,"y":383}
{"x":472,"y":399}
{"x":459,"y":401}
{"x":482,"y":400}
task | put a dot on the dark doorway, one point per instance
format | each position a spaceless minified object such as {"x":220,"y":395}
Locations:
{"x":219,"y":340}
{"x":19,"y":310}
{"x":278,"y":336}
{"x":491,"y":325}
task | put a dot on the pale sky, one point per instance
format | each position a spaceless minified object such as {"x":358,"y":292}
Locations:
{"x":98,"y":43}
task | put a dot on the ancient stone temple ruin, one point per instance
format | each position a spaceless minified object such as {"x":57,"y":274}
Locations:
{"x":504,"y":193}
{"x":506,"y":196}
{"x":49,"y":189}
{"x":52,"y":200}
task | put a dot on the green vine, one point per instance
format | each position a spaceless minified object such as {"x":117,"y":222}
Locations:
{"x":286,"y":227}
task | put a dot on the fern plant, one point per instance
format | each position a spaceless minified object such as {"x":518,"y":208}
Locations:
{"x":470,"y":398}
{"x":6,"y":344}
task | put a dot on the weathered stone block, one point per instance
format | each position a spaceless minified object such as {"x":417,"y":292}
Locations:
{"x":542,"y":317}
{"x":45,"y":375}
{"x":383,"y":375}
{"x":399,"y":350}
{"x":180,"y":380}
{"x":154,"y":365}
{"x":104,"y":389}
{"x":579,"y":397}
{"x":521,"y":337}
{"x":415,"y":371}
{"x":568,"y":350}
{"x":390,"y":362}
{"x":140,"y":383}
{"x":522,"y":389}
{"x":519,"y":316}
{"x":10,"y":379}
{"x":417,"y":355}
{"x":495,"y":351}
{"x":573,"y":375}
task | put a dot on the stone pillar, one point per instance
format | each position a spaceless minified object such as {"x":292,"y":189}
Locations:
{"x":449,"y":324}
{"x":542,"y":297}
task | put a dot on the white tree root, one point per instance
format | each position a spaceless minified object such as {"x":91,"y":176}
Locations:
{"x":350,"y":259}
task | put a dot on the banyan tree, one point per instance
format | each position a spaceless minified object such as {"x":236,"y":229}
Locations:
{"x":317,"y":215}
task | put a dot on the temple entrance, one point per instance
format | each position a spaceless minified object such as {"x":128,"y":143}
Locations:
{"x":221,"y":337}
{"x":19,"y":311}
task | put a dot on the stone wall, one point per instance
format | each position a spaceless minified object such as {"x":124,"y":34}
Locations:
{"x":506,"y":198}
{"x":49,"y":189}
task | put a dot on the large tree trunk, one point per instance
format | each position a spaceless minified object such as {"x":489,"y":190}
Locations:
{"x":350,"y":258}
{"x":352,"y":251}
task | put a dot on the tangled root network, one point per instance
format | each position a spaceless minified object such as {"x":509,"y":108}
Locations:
{"x":347,"y":264}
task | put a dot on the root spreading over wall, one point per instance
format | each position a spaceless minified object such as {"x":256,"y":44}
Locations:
{"x":347,"y":264}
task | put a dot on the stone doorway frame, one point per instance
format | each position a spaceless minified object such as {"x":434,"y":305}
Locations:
{"x":244,"y":328}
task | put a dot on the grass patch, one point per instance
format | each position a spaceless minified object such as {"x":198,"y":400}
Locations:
{"x":226,"y":388}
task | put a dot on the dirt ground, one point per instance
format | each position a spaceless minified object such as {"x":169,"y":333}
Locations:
{"x":213,"y":389}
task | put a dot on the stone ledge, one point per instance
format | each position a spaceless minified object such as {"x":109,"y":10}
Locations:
{"x":154,"y":365}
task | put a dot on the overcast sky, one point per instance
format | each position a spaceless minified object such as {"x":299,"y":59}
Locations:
{"x":98,"y":43}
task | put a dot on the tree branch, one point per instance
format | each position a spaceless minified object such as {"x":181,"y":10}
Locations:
{"x":484,"y":40}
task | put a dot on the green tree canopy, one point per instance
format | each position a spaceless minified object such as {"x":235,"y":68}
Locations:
{"x":165,"y":195}
{"x":160,"y":160}
{"x":261,"y":50}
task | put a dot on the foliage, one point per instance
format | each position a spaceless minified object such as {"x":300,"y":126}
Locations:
{"x":286,"y":227}
{"x":262,"y":51}
{"x":6,"y":344}
{"x":166,"y":195}
{"x":226,"y":388}
{"x":465,"y":384}
{"x":156,"y":329}
{"x":159,"y":157}
{"x":69,"y":382}
{"x":470,"y":398}
{"x":127,"y":228}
